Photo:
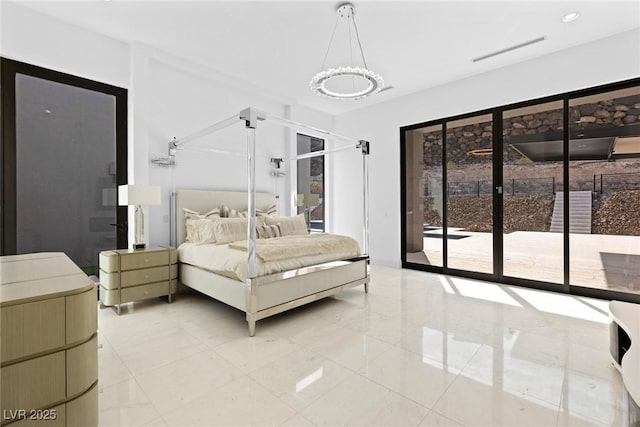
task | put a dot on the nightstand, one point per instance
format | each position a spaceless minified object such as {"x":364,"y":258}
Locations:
{"x":128,"y":275}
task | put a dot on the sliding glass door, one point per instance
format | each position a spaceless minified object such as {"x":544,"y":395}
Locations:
{"x":469,"y":232}
{"x":604,"y":178}
{"x":532,"y":207}
{"x":543,"y":193}
{"x":424,"y":197}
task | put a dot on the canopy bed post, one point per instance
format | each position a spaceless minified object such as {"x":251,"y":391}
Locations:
{"x":364,"y":147}
{"x":251,"y":117}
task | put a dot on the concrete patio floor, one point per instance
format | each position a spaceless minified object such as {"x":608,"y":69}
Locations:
{"x":597,"y":261}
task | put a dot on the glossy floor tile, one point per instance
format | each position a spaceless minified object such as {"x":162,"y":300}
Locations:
{"x":420,"y":349}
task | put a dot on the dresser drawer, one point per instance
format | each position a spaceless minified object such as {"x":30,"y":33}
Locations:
{"x":83,"y":411}
{"x":82,"y":367}
{"x":137,"y":293}
{"x":32,"y":328}
{"x":82,"y":316}
{"x":34,"y":383}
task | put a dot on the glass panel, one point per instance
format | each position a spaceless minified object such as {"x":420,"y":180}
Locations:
{"x":66,"y":175}
{"x":470,"y":196}
{"x":532,"y":192}
{"x":604,"y":203}
{"x":310,"y":197}
{"x":423,"y":183}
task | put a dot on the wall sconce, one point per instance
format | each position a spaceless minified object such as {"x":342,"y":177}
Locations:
{"x":276,"y":162}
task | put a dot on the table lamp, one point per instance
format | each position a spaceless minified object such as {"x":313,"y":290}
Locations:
{"x":308,"y":200}
{"x":138,"y":195}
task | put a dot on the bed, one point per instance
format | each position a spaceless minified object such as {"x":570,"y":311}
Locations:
{"x":276,"y":288}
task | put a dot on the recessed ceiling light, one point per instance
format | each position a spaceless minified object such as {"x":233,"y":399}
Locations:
{"x":570,"y":17}
{"x":47,"y":111}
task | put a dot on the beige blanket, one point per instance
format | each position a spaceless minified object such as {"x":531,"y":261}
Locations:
{"x":297,"y":246}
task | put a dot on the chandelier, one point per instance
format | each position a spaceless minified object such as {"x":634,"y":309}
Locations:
{"x":369,"y":82}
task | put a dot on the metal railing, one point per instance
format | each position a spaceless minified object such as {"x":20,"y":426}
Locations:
{"x":606,"y":182}
{"x":514,"y":186}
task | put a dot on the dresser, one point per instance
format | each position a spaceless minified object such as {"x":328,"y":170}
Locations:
{"x":128,"y":275}
{"x":48,"y":345}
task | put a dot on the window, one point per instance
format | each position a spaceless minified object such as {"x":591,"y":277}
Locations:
{"x":310,"y":182}
{"x":64,"y":152}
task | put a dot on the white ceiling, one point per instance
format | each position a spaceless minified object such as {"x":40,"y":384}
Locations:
{"x":415,"y":45}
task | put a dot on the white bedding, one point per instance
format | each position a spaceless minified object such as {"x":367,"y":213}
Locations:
{"x":222,"y":259}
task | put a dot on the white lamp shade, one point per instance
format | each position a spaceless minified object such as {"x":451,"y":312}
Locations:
{"x":307,"y":199}
{"x":138,"y":195}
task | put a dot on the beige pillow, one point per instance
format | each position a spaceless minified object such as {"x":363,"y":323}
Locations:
{"x":229,"y":230}
{"x":227,"y":212}
{"x":201,"y":231}
{"x":193,"y":233}
{"x":271,"y":211}
{"x":289,"y":225}
{"x":268,"y":231}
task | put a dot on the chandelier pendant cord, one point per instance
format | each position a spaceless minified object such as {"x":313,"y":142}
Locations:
{"x":359,"y":44}
{"x":353,"y":79}
{"x":333,"y":33}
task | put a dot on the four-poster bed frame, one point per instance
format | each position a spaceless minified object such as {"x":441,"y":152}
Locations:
{"x":264,"y":296}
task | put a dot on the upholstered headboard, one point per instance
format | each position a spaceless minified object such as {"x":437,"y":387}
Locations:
{"x":205,"y":200}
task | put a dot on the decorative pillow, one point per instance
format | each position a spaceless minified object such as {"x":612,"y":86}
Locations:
{"x":289,"y":225}
{"x":213,"y":213}
{"x":268,"y":231}
{"x":193,"y":231}
{"x":229,"y":230}
{"x":201,"y":231}
{"x":227,"y":212}
{"x":271,"y":211}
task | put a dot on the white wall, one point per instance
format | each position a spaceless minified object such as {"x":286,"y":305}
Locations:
{"x":174,"y":98}
{"x":34,"y":38}
{"x":168,"y":97}
{"x":608,"y":60}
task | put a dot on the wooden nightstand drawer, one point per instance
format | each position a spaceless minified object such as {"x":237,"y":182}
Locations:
{"x":137,"y":293}
{"x":132,"y":260}
{"x":144,"y":259}
{"x":138,"y":277}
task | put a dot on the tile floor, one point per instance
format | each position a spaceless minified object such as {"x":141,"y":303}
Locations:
{"x":420,"y":349}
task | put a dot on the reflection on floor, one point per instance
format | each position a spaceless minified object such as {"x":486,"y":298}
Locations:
{"x":597,"y":261}
{"x":419,"y":349}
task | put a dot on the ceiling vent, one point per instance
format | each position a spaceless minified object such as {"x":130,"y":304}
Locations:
{"x":509,"y":49}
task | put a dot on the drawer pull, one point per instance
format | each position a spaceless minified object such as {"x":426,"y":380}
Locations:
{"x":146,"y":260}
{"x":146,"y":276}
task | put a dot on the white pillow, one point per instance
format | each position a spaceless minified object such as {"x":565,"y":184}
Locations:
{"x":289,"y":225}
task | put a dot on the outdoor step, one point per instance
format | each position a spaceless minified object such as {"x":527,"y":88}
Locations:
{"x":579,"y":212}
